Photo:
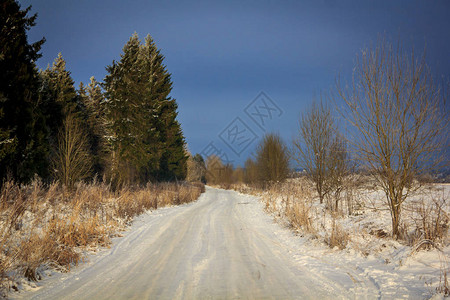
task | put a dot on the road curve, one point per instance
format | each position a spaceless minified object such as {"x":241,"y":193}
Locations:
{"x":215,"y":248}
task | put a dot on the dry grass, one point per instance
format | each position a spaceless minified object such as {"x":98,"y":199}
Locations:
{"x":295,"y":202}
{"x":245,"y":189}
{"x":444,"y":286}
{"x":338,"y":236}
{"x":51,"y":225}
{"x":299,"y":216}
{"x":360,"y":224}
{"x":427,"y":221}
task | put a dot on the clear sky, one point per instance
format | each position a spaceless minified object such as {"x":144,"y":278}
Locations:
{"x":222,"y":55}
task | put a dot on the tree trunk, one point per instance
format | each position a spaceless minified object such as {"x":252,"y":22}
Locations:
{"x":396,"y":223}
{"x":395,"y":214}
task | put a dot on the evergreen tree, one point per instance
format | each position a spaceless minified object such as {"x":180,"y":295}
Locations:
{"x":58,"y":97}
{"x":69,"y":119}
{"x":92,"y":98}
{"x":144,"y":137}
{"x":22,"y":126}
{"x":169,"y":137}
{"x":82,"y":94}
{"x":124,"y":116}
{"x":8,"y":143}
{"x":150,"y":78}
{"x":173,"y":158}
{"x":95,"y":99}
{"x":60,"y":86}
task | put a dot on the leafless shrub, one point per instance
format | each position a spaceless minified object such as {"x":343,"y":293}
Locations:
{"x":72,"y":161}
{"x":245,"y":189}
{"x":353,"y":185}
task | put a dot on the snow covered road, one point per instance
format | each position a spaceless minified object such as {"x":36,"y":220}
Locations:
{"x":223,"y":246}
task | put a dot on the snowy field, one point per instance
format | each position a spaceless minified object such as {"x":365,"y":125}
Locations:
{"x":225,"y":246}
{"x":413,"y":267}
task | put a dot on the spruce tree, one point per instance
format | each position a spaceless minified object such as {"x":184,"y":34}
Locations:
{"x":58,"y":97}
{"x":170,"y":142}
{"x":95,"y":99}
{"x":173,"y":159}
{"x":92,"y":98}
{"x":124,"y":116}
{"x":60,"y":86}
{"x":145,"y":139}
{"x":82,"y":94}
{"x":23,"y":146}
{"x":69,"y":125}
{"x":149,"y":77}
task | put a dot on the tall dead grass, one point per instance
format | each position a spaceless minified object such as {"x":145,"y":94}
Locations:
{"x":338,"y":237}
{"x":427,"y":220}
{"x":300,"y":217}
{"x":54,"y":226}
{"x":294,"y":201}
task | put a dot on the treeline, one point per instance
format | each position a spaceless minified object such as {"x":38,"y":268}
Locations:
{"x":269,"y":165}
{"x":123,"y":130}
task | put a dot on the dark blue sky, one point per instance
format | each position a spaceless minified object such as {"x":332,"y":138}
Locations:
{"x":223,"y":54}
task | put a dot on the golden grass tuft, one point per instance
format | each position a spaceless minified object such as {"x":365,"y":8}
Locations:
{"x":338,"y":237}
{"x":299,"y":215}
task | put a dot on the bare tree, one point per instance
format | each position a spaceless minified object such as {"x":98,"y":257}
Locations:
{"x":218,"y":173}
{"x":311,"y":147}
{"x":214,"y":169}
{"x":251,"y":172}
{"x":339,"y":170}
{"x":272,"y":159}
{"x":395,"y":108}
{"x":72,"y":161}
{"x":239,"y":175}
{"x":226,"y":176}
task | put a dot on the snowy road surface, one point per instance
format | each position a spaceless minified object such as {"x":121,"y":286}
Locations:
{"x":221,"y":247}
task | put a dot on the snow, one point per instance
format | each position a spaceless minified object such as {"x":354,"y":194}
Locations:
{"x":226,"y":246}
